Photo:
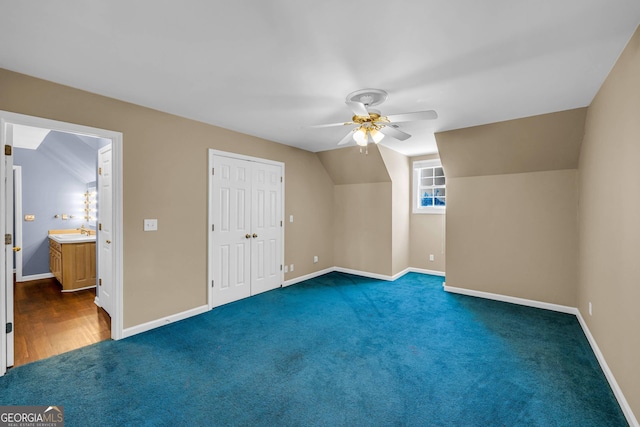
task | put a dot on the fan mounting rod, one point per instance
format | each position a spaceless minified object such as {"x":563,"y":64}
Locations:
{"x":368,"y":97}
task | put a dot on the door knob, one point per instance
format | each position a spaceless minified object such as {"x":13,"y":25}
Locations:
{"x":247,"y":236}
{"x":17,"y":249}
{"x":255,"y":235}
{"x":108,"y":242}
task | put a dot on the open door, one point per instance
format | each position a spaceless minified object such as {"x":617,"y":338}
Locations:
{"x":6,"y":255}
{"x":104,"y":294}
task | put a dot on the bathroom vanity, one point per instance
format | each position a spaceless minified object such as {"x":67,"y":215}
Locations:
{"x":72,"y":260}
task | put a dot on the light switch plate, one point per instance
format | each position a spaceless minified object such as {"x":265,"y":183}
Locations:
{"x":150,"y":225}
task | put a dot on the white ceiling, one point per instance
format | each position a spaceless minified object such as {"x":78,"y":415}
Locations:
{"x":271,"y":68}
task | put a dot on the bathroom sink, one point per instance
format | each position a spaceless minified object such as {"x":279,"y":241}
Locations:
{"x":72,"y":238}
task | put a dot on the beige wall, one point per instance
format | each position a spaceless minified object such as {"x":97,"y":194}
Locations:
{"x":362,"y":227}
{"x":531,"y":144}
{"x":363,"y":232}
{"x":514,"y":235}
{"x":609,"y":212}
{"x":427,"y":234}
{"x":399,"y":170}
{"x":407,"y":238}
{"x":165,"y":177}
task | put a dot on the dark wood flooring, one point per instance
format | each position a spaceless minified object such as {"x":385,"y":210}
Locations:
{"x":49,"y":322}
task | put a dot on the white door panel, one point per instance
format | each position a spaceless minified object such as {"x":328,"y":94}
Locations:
{"x":266,"y":217}
{"x":246,"y":211}
{"x":231,"y":197}
{"x":105,"y":229}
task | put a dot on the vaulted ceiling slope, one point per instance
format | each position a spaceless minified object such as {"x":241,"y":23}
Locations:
{"x":271,"y":69}
{"x":532,"y":144}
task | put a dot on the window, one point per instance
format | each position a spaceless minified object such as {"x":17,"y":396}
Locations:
{"x":429,"y":187}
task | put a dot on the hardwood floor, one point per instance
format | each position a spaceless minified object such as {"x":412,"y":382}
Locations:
{"x":49,"y":322}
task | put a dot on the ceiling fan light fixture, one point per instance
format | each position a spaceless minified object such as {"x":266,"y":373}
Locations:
{"x":360,"y":136}
{"x":376,"y":135}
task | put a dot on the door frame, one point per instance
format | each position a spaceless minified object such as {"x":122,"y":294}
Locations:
{"x":17,"y":213}
{"x":9,"y":118}
{"x":210,"y":240}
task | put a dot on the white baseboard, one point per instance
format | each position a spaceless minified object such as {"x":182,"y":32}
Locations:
{"x":513,"y":300}
{"x":307,"y":277}
{"x":622,"y":401}
{"x":78,"y":289}
{"x":363,"y":273}
{"x":134,"y":330}
{"x":424,"y":271}
{"x":626,"y":409}
{"x":36,"y":277}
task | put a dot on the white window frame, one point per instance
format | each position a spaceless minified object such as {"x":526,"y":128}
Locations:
{"x":417,"y":209}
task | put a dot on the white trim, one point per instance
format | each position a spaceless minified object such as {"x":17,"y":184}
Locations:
{"x":512,"y":300}
{"x":307,"y":277}
{"x":144,"y":327}
{"x":78,"y":289}
{"x":622,"y":401}
{"x":17,"y":209}
{"x":244,"y":157}
{"x":117,"y":171}
{"x":415,"y":185}
{"x":364,"y":274}
{"x":33,"y":277}
{"x":212,"y":153}
{"x":425,"y":271}
{"x":615,"y":387}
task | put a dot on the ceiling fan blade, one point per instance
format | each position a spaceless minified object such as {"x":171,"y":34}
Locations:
{"x":409,"y":117}
{"x":358,"y":108}
{"x":332,"y":125}
{"x":347,"y":138}
{"x":394,"y":133}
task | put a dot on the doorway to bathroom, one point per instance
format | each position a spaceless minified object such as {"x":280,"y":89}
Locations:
{"x":72,"y":171}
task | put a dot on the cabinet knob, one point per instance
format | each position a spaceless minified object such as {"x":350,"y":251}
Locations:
{"x":255,"y":235}
{"x":247,"y":236}
{"x":17,"y":249}
{"x":108,"y":242}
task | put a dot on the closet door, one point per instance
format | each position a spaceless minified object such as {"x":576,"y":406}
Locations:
{"x":266,"y":228}
{"x":245,"y":205}
{"x":230,"y":201}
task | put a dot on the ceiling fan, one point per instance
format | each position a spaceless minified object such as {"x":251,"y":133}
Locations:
{"x":371,"y":125}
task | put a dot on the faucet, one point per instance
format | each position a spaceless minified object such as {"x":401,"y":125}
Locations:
{"x":83,"y":230}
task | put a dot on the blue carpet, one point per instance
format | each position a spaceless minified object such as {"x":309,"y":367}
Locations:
{"x":338,"y":350}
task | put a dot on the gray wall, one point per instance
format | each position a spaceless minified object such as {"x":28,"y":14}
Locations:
{"x":54,"y":179}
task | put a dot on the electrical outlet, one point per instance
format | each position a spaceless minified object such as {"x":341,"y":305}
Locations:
{"x":315,"y":259}
{"x":150,"y":225}
{"x":286,"y":268}
{"x":432,"y":258}
{"x":590,"y":309}
{"x":291,"y":268}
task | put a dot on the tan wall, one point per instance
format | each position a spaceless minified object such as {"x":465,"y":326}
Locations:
{"x":349,"y":166}
{"x":362,"y":227}
{"x":514,"y":235}
{"x":512,"y":206}
{"x":427,"y":234}
{"x":399,"y":169}
{"x":428,"y":238}
{"x":531,"y":144}
{"x":165,"y":177}
{"x":609,"y":268}
{"x":362,"y":209}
